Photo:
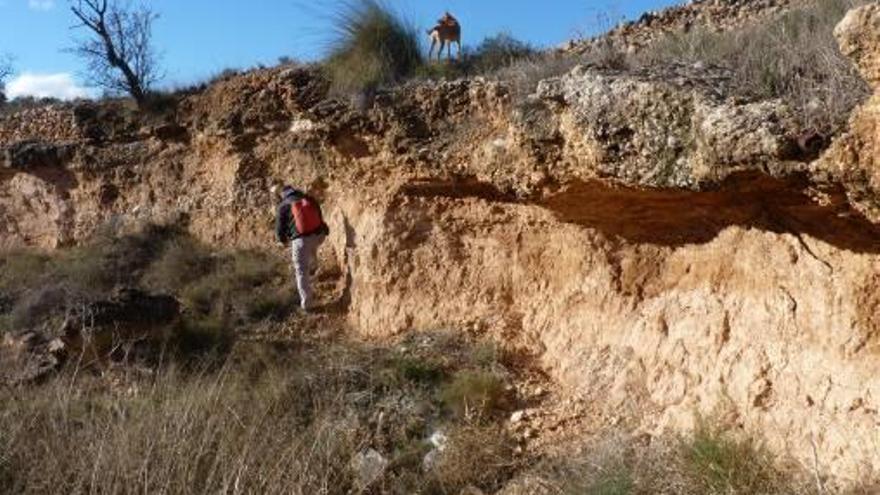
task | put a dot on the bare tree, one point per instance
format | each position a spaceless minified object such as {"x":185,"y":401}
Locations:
{"x":6,"y":70}
{"x":119,"y":50}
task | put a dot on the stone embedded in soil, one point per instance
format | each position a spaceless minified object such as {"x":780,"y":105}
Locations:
{"x":517,"y":417}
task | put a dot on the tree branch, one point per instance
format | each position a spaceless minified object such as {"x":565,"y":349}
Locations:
{"x":119,"y":52}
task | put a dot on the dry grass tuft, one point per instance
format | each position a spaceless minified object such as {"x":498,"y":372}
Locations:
{"x":373,"y":46}
{"x":474,"y":394}
{"x":480,"y":456}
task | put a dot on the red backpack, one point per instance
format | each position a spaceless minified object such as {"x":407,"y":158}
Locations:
{"x":306,"y":217}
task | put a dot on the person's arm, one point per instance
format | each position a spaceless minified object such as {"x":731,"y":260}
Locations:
{"x":282,"y":223}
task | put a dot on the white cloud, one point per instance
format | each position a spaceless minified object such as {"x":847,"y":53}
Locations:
{"x":41,"y":5}
{"x":61,"y":86}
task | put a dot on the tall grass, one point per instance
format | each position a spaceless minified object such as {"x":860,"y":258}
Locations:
{"x":212,"y":433}
{"x":272,"y":419}
{"x":793,"y":57}
{"x":373,"y":46}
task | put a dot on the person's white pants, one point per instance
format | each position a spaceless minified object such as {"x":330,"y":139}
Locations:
{"x":305,"y":249}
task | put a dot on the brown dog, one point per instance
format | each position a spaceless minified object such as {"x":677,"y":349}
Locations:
{"x":447,"y":30}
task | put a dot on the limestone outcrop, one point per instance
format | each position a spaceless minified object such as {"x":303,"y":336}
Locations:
{"x":669,"y":128}
{"x":854,"y":156}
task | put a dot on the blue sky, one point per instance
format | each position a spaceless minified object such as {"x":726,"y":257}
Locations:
{"x":199,"y":38}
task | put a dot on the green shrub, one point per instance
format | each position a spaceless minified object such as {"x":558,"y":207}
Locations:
{"x":725,"y":464}
{"x":373,"y":46}
{"x":474,"y":394}
{"x":499,"y":51}
{"x":425,"y":371}
{"x":493,"y":54}
{"x":485,"y":355}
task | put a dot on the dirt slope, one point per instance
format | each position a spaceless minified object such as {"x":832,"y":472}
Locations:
{"x":661,"y":249}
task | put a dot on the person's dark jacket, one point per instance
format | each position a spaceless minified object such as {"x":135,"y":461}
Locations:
{"x":284,"y":219}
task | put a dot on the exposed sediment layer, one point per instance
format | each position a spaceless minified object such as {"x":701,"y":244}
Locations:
{"x":661,"y":249}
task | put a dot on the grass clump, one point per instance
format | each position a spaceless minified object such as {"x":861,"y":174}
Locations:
{"x":612,"y":483}
{"x":474,"y":394}
{"x":498,"y":51}
{"x":479,"y":456}
{"x":109,"y":259}
{"x":373,"y":46}
{"x":19,"y":268}
{"x":422,"y":371}
{"x":194,"y":337}
{"x":723,"y":464}
{"x":793,"y":57}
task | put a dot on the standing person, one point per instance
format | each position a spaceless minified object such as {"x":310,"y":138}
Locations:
{"x":301,"y":222}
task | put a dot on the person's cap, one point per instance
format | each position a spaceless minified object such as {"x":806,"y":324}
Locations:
{"x":288,"y":190}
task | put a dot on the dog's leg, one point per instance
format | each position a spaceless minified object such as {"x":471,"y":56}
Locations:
{"x":431,"y":51}
{"x":440,"y":52}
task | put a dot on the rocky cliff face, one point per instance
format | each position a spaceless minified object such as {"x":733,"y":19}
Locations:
{"x":854,"y":156}
{"x":663,"y":250}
